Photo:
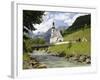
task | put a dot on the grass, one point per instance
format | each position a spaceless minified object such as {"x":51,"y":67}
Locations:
{"x":78,"y":48}
{"x":26,"y":57}
{"x":79,"y":34}
{"x":81,"y":48}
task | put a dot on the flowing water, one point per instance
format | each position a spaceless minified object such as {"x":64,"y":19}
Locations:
{"x":53,"y":61}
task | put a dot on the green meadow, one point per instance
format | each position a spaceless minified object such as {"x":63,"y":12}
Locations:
{"x":77,"y":48}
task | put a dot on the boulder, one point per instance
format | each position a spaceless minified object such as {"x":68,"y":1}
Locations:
{"x":42,"y":66}
{"x":88,"y":61}
{"x":74,"y":58}
{"x":82,"y":58}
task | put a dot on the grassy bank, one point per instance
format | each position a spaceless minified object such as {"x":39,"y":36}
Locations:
{"x":82,"y":33}
{"x":81,"y":48}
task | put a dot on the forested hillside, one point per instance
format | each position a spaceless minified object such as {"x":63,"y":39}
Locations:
{"x":81,"y":22}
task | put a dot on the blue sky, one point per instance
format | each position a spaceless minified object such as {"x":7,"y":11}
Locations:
{"x":59,"y":18}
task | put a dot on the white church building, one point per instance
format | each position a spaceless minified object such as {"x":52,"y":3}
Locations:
{"x":55,"y":35}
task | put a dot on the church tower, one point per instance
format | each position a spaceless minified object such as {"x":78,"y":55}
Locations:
{"x":53,"y":25}
{"x":55,"y":35}
{"x":53,"y":28}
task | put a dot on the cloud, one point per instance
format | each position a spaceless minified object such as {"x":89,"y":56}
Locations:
{"x":60,"y":18}
{"x":43,"y":27}
{"x":71,"y":20}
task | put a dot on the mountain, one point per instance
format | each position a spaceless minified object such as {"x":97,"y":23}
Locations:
{"x":80,"y":23}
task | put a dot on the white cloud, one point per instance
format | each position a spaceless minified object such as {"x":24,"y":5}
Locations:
{"x":60,"y":16}
{"x":49,"y":17}
{"x":44,"y":26}
{"x":70,"y":21}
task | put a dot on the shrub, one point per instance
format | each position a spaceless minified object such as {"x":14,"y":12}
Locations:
{"x":28,"y":43}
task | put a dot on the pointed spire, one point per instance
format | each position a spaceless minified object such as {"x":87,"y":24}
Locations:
{"x":53,"y":25}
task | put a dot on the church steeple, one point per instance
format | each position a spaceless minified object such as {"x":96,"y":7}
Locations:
{"x":55,"y":35}
{"x":53,"y":25}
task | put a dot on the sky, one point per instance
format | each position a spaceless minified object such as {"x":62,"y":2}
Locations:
{"x":61,"y":19}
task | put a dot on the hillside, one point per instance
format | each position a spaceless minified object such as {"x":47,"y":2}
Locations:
{"x":80,"y":23}
{"x":82,"y":47}
{"x":86,"y":33}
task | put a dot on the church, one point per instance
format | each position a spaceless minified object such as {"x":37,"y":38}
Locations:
{"x":53,"y":35}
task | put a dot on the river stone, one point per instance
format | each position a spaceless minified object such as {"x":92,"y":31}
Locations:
{"x":88,"y":57}
{"x":42,"y":66}
{"x":88,"y":61}
{"x":82,"y":58}
{"x":74,"y":58}
{"x":33,"y":63}
{"x":35,"y":66}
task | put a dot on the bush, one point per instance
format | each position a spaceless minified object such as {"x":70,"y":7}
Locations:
{"x":28,"y":43}
{"x":39,"y":41}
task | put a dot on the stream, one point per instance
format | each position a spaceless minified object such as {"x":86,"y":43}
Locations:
{"x":53,"y":61}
